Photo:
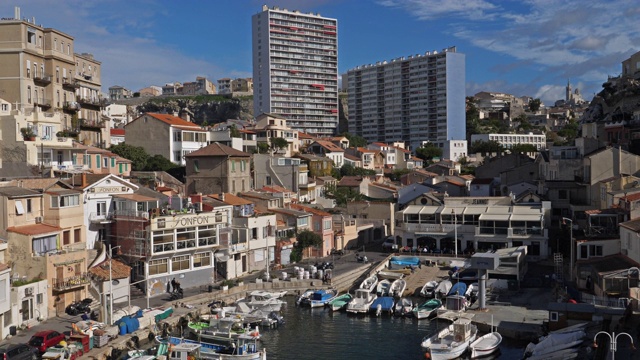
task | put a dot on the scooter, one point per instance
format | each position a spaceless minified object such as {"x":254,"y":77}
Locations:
{"x":362,"y":259}
{"x":79,"y":307}
{"x":176,"y":294}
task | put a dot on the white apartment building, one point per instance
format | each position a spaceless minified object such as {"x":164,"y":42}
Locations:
{"x":454,"y":150}
{"x":410,"y":99}
{"x":295,"y":68}
{"x":509,"y":140}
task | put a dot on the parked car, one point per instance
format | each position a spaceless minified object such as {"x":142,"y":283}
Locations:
{"x":389,"y":244}
{"x":18,"y":352}
{"x":43,"y":340}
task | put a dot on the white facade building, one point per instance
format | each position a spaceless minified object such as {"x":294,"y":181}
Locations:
{"x":295,"y":68}
{"x":509,"y":140}
{"x":410,"y":99}
{"x":454,"y":150}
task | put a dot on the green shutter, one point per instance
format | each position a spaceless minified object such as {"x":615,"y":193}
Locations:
{"x":120,"y":168}
{"x":113,"y":162}
{"x":98,"y":161}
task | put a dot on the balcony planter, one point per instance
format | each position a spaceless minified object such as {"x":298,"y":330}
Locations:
{"x":28,"y":134}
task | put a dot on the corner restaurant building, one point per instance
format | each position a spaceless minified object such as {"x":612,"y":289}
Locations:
{"x":183,"y":247}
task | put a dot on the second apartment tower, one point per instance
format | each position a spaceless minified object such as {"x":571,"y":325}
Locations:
{"x":295,"y":68}
{"x":414,"y":99}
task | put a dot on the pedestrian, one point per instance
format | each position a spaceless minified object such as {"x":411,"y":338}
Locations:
{"x":173,"y":284}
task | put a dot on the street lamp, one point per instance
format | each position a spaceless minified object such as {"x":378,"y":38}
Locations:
{"x":613,"y":338}
{"x":564,"y":221}
{"x":455,"y":232}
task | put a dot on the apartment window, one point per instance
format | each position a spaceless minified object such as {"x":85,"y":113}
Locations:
{"x":66,"y":237}
{"x":29,"y":94}
{"x":158,"y":267}
{"x":268,"y":180}
{"x":65,"y":201}
{"x":29,"y":208}
{"x":68,"y":49}
{"x":31,"y":36}
{"x":233,"y":165}
{"x":207,"y":235}
{"x":76,"y":236}
{"x":105,"y":162}
{"x":303,"y":221}
{"x":243,"y":165}
{"x":316,"y":226}
{"x":55,"y":44}
{"x":28,"y":69}
{"x":177,"y":156}
{"x":595,"y":250}
{"x":19,"y":208}
{"x":98,"y":163}
{"x":58,"y":97}
{"x":202,"y":259}
{"x":180,"y":263}
{"x":196,"y":166}
{"x":327,"y":224}
{"x":177,"y":136}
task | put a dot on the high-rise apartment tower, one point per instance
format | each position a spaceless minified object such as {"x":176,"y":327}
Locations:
{"x":412,"y":99}
{"x":295,"y":68}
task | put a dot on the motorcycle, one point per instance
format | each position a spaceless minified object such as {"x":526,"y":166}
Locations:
{"x":337,"y":252}
{"x":362,"y":259}
{"x":79,"y":307}
{"x":324,"y":265}
{"x":176,"y":294}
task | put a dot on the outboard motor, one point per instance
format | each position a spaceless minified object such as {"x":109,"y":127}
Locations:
{"x":274,"y":315}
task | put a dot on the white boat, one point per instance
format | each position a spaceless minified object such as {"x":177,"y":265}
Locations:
{"x":383,"y":287}
{"x":443,"y":289}
{"x":452,"y":341}
{"x":390,"y":275}
{"x":485,"y":345}
{"x":397,"y":288}
{"x":361,"y":301}
{"x":370,"y":283}
{"x":340,"y":302}
{"x":428,"y":290}
{"x":304,"y":296}
{"x":403,"y":307}
{"x":322,"y":297}
{"x":427,"y":309}
{"x":554,"y":342}
{"x":566,"y":354}
{"x":268,"y":304}
{"x":261,"y":294}
{"x":241,"y":349}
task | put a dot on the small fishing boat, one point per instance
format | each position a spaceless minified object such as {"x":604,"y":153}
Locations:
{"x":340,"y":302}
{"x":383,"y":287}
{"x":428,"y":290}
{"x":370,"y":283}
{"x":382,"y":304}
{"x":485,"y":345}
{"x":397,"y":288}
{"x":427,"y":310}
{"x":403,"y":307}
{"x":305,"y":295}
{"x":452,"y":341}
{"x":443,"y":289}
{"x":456,"y":300}
{"x":390,"y":275}
{"x":238,"y":349}
{"x":321,"y":297}
{"x":361,"y":302}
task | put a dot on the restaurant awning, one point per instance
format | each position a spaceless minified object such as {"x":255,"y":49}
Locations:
{"x":475,"y":210}
{"x":494,"y":217}
{"x":526,"y":217}
{"x":419,"y":209}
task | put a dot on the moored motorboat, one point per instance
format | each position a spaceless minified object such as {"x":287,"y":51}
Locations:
{"x":321,"y":297}
{"x":452,"y":341}
{"x":369,"y":283}
{"x":456,"y":299}
{"x":427,"y":310}
{"x":340,"y":302}
{"x":391,"y":274}
{"x":485,"y":345}
{"x":553,"y":343}
{"x":305,"y":295}
{"x":397,"y":288}
{"x":382,"y":304}
{"x":238,"y":349}
{"x":361,"y":301}
{"x":428,"y":290}
{"x":442,"y":289}
{"x":403,"y":307}
{"x":382,"y":289}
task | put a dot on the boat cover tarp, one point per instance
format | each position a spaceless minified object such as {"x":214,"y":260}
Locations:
{"x":405,"y":260}
{"x":458,"y":289}
{"x":386,"y":302}
{"x":321,"y":295}
{"x":557,"y":341}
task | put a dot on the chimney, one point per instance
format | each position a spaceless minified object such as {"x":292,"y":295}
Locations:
{"x":184,"y":115}
{"x":84,"y":180}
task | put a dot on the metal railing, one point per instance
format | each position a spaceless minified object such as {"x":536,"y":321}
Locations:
{"x":71,"y":282}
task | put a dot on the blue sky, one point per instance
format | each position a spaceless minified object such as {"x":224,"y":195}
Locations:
{"x":519,"y":47}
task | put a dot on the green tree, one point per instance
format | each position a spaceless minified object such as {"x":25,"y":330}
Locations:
{"x":234,"y":132}
{"x":534,"y":104}
{"x":136,"y":154}
{"x":350,"y":170}
{"x":523,"y":148}
{"x":355,"y":140}
{"x":428,"y":151}
{"x":262,"y":148}
{"x":485,"y":147}
{"x":159,"y":163}
{"x":305,"y":239}
{"x":343,"y":195}
{"x":278,"y":143}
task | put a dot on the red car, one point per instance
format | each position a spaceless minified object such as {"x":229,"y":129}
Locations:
{"x":43,"y":340}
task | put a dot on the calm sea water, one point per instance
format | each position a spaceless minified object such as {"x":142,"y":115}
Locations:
{"x":321,"y":334}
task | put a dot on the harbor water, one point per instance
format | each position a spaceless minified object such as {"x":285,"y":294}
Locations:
{"x":321,"y":334}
